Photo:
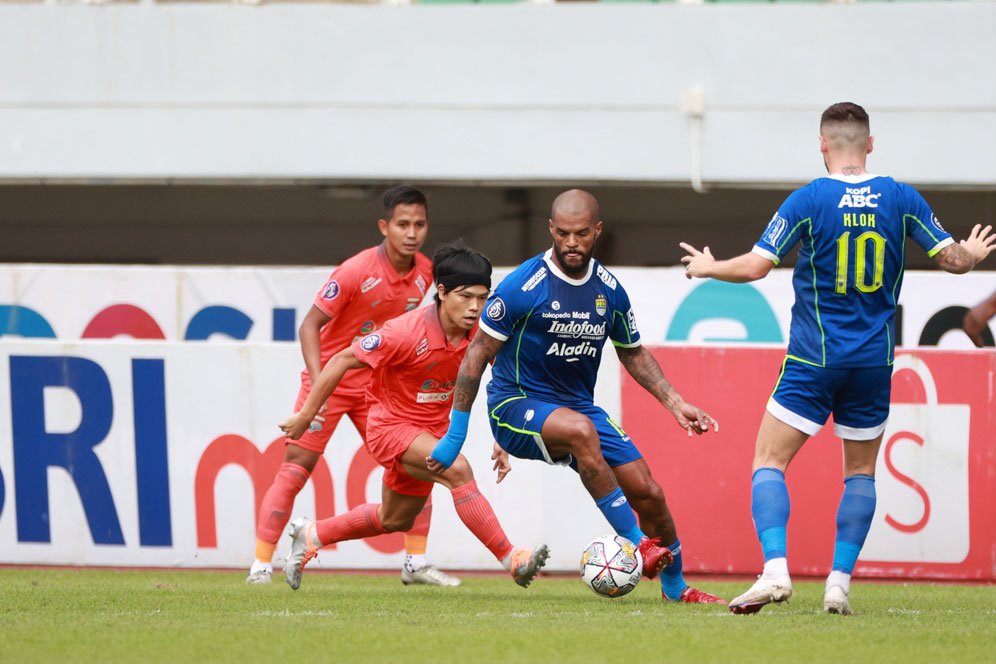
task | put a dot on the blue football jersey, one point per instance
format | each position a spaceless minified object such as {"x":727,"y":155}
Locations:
{"x":554,"y":328}
{"x":853,"y":232}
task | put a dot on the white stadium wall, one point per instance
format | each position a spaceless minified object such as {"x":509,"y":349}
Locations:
{"x":524,"y":93}
{"x":124,"y":440}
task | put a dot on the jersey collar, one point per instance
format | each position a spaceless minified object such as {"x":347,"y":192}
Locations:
{"x":434,"y":331}
{"x":548,"y":259}
{"x":853,"y":179}
{"x":389,"y":272}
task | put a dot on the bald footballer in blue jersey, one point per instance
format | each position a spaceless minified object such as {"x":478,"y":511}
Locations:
{"x":545,"y":327}
{"x":852,"y":228}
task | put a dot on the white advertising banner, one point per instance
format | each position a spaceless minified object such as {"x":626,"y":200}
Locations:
{"x":267,"y":304}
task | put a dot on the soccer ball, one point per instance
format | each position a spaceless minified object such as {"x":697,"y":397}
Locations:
{"x":611,"y":566}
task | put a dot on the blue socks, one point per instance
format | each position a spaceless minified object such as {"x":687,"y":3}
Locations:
{"x":769,"y":504}
{"x":620,"y":515}
{"x":854,"y":517}
{"x":672,"y":580}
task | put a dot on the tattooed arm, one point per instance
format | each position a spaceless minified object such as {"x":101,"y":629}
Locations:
{"x":962,"y":257}
{"x":642,"y":366}
{"x":482,"y":350}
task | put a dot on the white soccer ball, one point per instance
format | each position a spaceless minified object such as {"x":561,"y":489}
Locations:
{"x":611,"y":566}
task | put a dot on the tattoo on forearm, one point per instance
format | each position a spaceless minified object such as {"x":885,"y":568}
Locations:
{"x":642,"y":366}
{"x":955,"y":258}
{"x":481,"y":351}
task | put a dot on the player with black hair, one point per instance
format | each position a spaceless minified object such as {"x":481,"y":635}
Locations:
{"x":362,"y":294}
{"x":414,"y":361}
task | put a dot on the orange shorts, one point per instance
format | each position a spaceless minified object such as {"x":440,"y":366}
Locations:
{"x":387,"y":443}
{"x":354,"y":405}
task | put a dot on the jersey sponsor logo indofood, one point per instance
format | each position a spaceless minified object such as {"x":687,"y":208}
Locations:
{"x":575,"y":330}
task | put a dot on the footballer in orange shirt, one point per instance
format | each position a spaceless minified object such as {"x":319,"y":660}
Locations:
{"x":414,"y":360}
{"x":362,"y":294}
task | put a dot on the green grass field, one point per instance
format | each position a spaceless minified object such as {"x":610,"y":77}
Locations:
{"x":187,"y":616}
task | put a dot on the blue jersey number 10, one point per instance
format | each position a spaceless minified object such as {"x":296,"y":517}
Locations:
{"x":869,"y":241}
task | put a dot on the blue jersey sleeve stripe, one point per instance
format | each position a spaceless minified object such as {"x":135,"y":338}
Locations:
{"x":619,"y":344}
{"x":492,"y":332}
{"x":940,"y":245}
{"x":764,"y":253}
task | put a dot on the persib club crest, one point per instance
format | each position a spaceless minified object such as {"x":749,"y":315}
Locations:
{"x":600,"y":305}
{"x":370,"y":342}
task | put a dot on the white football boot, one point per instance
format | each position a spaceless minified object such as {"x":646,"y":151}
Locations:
{"x":428,"y":575}
{"x":763,"y":592}
{"x":259,"y":573}
{"x":835,"y":600}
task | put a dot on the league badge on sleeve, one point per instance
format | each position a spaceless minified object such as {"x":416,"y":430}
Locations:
{"x":370,"y":342}
{"x":936,"y":222}
{"x":496,"y":311}
{"x":775,"y":230}
{"x":331,"y":291}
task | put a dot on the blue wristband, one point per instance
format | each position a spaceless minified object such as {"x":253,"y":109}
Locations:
{"x":449,"y":446}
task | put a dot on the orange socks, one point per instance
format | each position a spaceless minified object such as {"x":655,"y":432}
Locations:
{"x":275,"y":510}
{"x":415,"y":539}
{"x":476,"y":513}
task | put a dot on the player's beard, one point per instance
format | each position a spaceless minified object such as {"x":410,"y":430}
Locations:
{"x":569,"y":269}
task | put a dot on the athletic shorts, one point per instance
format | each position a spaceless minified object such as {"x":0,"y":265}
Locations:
{"x":805,"y":395}
{"x":516,"y":423}
{"x":317,"y":436}
{"x":387,"y":443}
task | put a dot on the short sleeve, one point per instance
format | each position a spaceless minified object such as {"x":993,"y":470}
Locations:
{"x":785,"y":227}
{"x":623,"y":330}
{"x":340,"y":289}
{"x":383,"y":347}
{"x":922,"y":224}
{"x":505,"y":308}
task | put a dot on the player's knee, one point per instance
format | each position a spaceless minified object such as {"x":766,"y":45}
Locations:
{"x":460,"y":472}
{"x":581,"y":433}
{"x":647,"y":491}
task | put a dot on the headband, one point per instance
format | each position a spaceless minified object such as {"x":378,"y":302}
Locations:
{"x":457,"y":279}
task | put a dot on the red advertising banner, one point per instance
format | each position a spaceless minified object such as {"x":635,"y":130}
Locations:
{"x":936,"y":513}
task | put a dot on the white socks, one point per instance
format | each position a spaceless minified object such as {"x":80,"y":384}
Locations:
{"x":842,"y":579}
{"x":415,"y":562}
{"x":775,"y":568}
{"x":257,"y":566}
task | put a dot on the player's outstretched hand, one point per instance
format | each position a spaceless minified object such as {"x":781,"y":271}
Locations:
{"x":295,"y":426}
{"x":697,"y":262}
{"x":502,"y":465}
{"x":694,"y":420}
{"x":980,"y":242}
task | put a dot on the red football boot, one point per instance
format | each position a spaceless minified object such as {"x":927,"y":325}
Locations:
{"x":655,"y":556}
{"x":695,"y":596}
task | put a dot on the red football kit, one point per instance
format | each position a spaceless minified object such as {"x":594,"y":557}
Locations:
{"x":414,"y":370}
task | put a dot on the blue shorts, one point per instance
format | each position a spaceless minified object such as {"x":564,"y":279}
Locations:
{"x":516,"y":423}
{"x":806,"y":394}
